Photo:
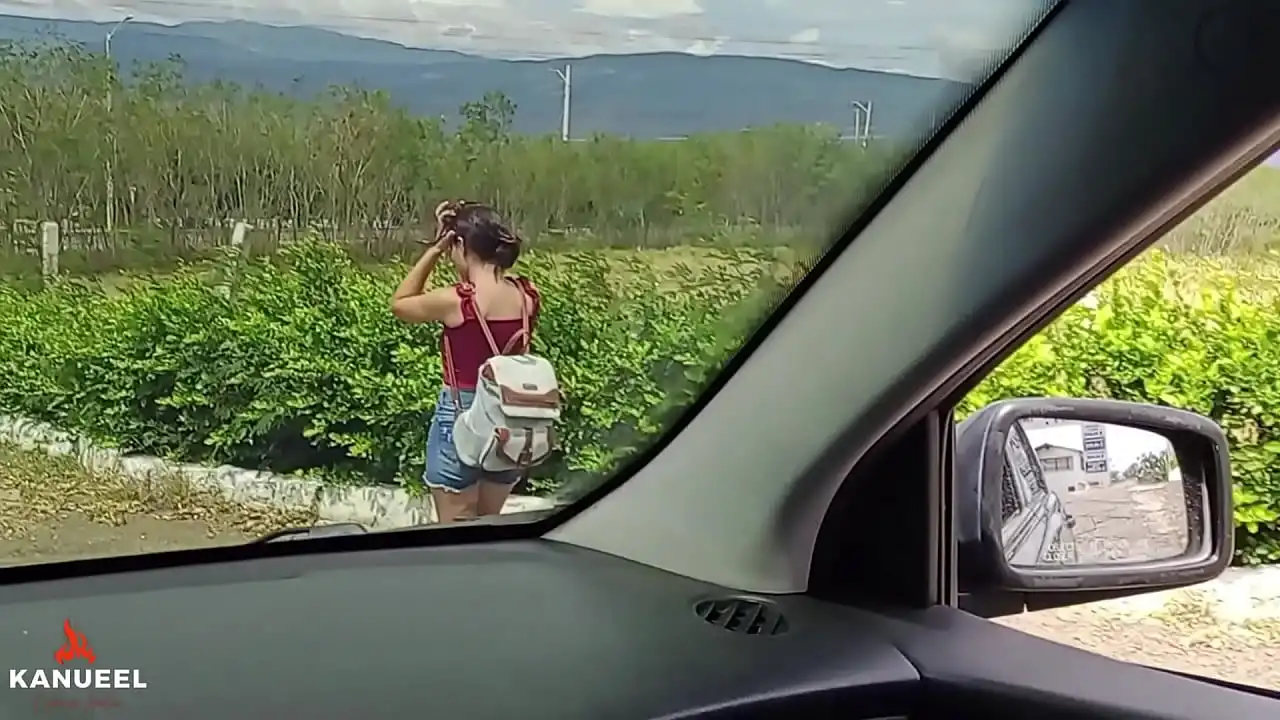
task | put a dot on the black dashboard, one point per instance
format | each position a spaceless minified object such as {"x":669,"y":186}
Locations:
{"x":535,"y":629}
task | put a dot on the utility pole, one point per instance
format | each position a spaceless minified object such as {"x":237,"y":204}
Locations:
{"x":861,"y":121}
{"x":566,"y":76}
{"x":111,"y":127}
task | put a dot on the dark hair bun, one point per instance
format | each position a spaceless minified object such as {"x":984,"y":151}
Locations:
{"x":484,"y":233}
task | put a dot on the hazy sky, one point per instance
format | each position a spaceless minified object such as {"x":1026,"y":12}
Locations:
{"x":926,"y":37}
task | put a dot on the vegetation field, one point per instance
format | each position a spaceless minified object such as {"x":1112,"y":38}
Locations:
{"x":657,"y":259}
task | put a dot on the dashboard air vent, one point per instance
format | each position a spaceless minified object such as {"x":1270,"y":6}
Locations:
{"x":745,"y":616}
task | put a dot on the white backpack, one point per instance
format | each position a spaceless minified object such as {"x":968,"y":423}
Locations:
{"x":510,"y":424}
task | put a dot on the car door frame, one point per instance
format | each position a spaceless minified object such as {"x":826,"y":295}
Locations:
{"x":1036,"y":508}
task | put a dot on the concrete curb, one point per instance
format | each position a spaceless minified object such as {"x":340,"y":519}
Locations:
{"x":374,"y":507}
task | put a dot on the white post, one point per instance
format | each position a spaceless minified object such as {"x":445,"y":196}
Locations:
{"x":866,"y":133}
{"x":111,"y":128}
{"x":566,"y":77}
{"x":227,"y":285}
{"x":564,"y":111}
{"x":238,"y":233}
{"x":49,"y":249}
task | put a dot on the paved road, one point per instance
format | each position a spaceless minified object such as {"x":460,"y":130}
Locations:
{"x":1128,"y":522}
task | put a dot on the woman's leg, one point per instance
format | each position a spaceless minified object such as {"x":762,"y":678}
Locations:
{"x":493,"y":494}
{"x":453,"y":505}
{"x":454,"y":490}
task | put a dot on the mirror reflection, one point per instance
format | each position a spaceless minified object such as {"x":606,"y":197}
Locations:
{"x":1085,"y":493}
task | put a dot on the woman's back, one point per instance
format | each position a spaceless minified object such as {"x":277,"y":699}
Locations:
{"x":503,"y":307}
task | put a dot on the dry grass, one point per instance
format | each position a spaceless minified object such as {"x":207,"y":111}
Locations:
{"x":1253,"y":278}
{"x":37,"y":489}
{"x":1192,"y":616}
{"x":1243,"y":220}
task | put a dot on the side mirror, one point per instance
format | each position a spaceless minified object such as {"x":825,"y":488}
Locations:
{"x":1063,"y":501}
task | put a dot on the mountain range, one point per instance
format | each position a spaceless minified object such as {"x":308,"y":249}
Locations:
{"x":642,"y":95}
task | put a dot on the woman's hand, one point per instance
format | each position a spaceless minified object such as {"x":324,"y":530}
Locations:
{"x":445,"y":237}
{"x":444,"y":208}
{"x":444,"y":242}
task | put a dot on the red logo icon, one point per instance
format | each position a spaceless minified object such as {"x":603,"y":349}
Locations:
{"x":77,"y":646}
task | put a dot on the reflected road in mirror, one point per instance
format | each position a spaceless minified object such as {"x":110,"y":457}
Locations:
{"x":1079,"y":493}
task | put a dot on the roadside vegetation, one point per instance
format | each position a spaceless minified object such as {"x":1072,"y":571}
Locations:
{"x":656,"y":259}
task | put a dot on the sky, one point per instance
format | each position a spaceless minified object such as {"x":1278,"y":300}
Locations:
{"x":944,"y":38}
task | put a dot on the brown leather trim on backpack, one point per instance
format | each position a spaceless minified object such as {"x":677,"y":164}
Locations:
{"x":525,"y":458}
{"x":549,"y":400}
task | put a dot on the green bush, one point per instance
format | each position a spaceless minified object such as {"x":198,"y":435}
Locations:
{"x":1210,"y":346}
{"x":297,"y":364}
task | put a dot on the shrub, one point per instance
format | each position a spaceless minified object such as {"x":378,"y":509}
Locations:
{"x":298,"y":365}
{"x":1154,"y":338}
{"x":294,"y":364}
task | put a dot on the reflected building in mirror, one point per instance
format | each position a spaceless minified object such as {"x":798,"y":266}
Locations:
{"x":1072,"y":453}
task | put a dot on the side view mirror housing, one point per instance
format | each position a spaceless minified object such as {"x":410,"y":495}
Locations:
{"x":1063,"y":501}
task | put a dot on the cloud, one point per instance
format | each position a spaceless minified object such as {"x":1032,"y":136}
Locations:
{"x":458,"y":31}
{"x":641,"y":8}
{"x":808,"y":35}
{"x":873,"y":34}
{"x":964,"y":54}
{"x":706,"y":47}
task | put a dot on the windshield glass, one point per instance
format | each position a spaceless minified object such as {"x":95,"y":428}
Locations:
{"x":259,"y":259}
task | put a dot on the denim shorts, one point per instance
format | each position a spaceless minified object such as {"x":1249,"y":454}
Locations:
{"x":444,"y":470}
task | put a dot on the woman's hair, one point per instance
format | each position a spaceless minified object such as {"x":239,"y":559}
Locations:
{"x":483,"y":233}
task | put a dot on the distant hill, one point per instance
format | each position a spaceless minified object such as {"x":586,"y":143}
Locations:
{"x":649,"y":95}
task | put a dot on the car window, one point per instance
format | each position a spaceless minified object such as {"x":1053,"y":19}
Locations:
{"x":1175,"y":327}
{"x":1027,"y":465}
{"x":1010,"y":498}
{"x":245,"y":264}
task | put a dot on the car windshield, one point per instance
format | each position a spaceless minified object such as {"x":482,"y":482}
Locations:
{"x":258,"y":259}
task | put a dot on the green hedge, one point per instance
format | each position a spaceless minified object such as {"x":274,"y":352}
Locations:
{"x":298,"y":366}
{"x":1183,"y":332}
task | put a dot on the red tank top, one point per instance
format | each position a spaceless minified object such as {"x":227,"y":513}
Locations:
{"x":465,"y":347}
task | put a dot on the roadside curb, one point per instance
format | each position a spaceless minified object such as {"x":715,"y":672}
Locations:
{"x":374,"y":507}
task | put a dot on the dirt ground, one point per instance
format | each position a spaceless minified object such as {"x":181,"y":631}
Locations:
{"x":53,"y":510}
{"x":1183,"y":638}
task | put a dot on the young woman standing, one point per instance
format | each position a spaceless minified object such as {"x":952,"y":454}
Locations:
{"x":488,"y":312}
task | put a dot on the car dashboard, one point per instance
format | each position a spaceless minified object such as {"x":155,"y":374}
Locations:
{"x":520,"y":629}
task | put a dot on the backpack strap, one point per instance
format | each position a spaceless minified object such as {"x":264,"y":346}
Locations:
{"x":467,"y":296}
{"x":450,"y":375}
{"x":528,"y":297}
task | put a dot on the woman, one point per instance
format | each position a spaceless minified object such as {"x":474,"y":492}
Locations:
{"x":484,"y":314}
